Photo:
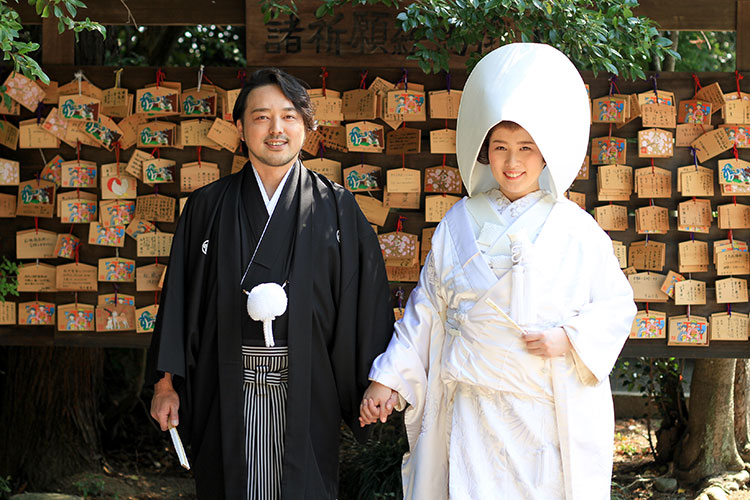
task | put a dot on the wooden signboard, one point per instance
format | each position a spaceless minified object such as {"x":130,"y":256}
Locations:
{"x":364,"y":33}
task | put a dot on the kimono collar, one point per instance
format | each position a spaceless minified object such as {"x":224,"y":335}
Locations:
{"x":501,"y":203}
{"x":271,"y":203}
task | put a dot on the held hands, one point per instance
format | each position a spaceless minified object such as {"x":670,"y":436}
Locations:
{"x":377,"y":404}
{"x":548,"y":343}
{"x":165,"y":403}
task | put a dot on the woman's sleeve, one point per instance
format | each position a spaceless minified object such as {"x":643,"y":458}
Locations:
{"x":599,"y":330}
{"x":406,"y":362}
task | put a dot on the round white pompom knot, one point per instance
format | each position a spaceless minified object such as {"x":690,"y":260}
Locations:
{"x":265,"y":302}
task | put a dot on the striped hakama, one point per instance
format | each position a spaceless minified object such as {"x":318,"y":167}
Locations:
{"x":266,"y":376}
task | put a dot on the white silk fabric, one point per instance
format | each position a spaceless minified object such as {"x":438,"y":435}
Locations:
{"x":486,"y":419}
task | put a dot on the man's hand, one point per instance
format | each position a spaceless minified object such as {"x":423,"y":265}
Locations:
{"x":548,"y":343}
{"x":165,"y":403}
{"x":377,"y":403}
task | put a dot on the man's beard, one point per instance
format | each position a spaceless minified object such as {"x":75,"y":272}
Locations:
{"x":274,"y":161}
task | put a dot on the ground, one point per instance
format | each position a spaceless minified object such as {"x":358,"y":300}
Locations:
{"x":133,"y":475}
{"x":156,"y":475}
{"x":634,"y":470}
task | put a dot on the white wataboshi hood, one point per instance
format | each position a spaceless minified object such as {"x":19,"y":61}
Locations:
{"x":537,"y":87}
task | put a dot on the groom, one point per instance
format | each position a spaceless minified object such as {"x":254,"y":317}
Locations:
{"x":263,"y":417}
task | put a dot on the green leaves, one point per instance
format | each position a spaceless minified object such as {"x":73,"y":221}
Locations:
{"x":20,"y":52}
{"x":271,"y":9}
{"x":8,"y":279}
{"x":663,"y":42}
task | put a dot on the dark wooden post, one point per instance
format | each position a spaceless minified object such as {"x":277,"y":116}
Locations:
{"x":56,"y":48}
{"x":252,"y":8}
{"x":743,"y":35}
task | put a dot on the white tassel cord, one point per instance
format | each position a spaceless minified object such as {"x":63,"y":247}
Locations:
{"x":266,"y":302}
{"x":518,"y":257}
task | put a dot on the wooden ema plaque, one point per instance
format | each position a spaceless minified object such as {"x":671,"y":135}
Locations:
{"x":113,"y":318}
{"x":649,"y":325}
{"x":159,"y":171}
{"x":76,"y":318}
{"x":154,"y":244}
{"x":360,"y":104}
{"x":9,"y":172}
{"x":35,"y":244}
{"x":325,"y":167}
{"x":399,"y":248}
{"x":195,"y":133}
{"x":7,"y":313}
{"x":36,"y":313}
{"x":372,"y":208}
{"x":116,"y":269}
{"x":647,"y":287}
{"x":225,"y":134}
{"x":117,"y":212}
{"x":36,"y":198}
{"x":138,"y":227}
{"x":442,"y":179}
{"x":36,"y":278}
{"x":726,"y":326}
{"x":196,"y":175}
{"x":76,"y":277}
{"x":361,"y":178}
{"x":155,"y":207}
{"x":145,"y":318}
{"x":148,"y":277}
{"x":437,"y":206}
{"x":684,"y":330}
{"x":408,"y":201}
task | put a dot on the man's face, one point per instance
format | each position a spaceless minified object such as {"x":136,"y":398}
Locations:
{"x":272,"y":127}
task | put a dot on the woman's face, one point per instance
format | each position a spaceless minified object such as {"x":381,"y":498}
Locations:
{"x":515,"y":160}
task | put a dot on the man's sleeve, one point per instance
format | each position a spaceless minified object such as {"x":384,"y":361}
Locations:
{"x":167,"y":350}
{"x":365,"y":320}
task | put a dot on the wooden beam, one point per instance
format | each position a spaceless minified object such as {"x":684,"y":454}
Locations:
{"x":155,"y":12}
{"x":690,"y":15}
{"x":57,"y":48}
{"x":635,"y":348}
{"x":126,"y":340}
{"x":743,"y":35}
{"x":18,"y":335}
{"x":250,"y":9}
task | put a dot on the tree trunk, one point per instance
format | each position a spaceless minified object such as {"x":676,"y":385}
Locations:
{"x":673,"y":411}
{"x":124,"y":376}
{"x":159,"y":42}
{"x":48,"y":412}
{"x":90,"y":48}
{"x":670,"y":61}
{"x":709,"y":446}
{"x":742,"y":407}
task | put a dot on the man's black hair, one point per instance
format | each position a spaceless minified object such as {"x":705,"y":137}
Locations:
{"x":293,"y":88}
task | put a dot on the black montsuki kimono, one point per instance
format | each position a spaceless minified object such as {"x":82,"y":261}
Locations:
{"x":339,"y":319}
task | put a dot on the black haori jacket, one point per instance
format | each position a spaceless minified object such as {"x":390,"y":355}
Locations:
{"x":339,"y":320}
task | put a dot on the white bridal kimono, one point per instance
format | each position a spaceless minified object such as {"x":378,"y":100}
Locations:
{"x":486,"y":419}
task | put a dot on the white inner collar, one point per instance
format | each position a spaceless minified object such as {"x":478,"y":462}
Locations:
{"x":271,"y":203}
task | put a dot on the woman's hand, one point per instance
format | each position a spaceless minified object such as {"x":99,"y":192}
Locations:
{"x":377,"y":404}
{"x":548,"y":343}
